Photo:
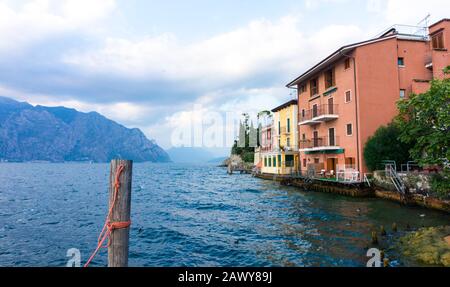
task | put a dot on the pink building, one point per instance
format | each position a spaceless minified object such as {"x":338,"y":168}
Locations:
{"x":346,"y":97}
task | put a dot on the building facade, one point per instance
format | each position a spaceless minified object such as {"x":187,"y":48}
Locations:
{"x":346,"y":97}
{"x":279,"y":141}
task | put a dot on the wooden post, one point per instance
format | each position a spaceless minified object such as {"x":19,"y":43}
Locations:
{"x":119,"y":247}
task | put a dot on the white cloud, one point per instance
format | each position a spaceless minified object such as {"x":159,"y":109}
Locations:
{"x":23,"y":24}
{"x":259,"y":47}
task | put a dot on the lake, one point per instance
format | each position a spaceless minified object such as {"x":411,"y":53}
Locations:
{"x":189,"y":215}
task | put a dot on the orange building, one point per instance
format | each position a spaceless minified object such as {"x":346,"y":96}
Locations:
{"x":346,"y":97}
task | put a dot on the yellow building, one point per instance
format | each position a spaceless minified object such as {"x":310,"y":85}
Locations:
{"x":283,"y":157}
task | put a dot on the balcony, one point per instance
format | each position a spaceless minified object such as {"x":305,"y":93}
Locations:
{"x":320,"y":144}
{"x":319,"y":114}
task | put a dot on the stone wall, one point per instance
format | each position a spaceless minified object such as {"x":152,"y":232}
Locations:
{"x":416,"y":182}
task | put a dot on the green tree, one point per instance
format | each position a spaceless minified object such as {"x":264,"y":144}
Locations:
{"x":244,"y":146}
{"x":385,"y":145}
{"x":424,"y":122}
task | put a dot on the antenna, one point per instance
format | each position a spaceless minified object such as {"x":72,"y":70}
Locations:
{"x":426,"y":20}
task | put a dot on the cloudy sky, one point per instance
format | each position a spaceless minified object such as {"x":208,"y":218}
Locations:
{"x":148,"y":63}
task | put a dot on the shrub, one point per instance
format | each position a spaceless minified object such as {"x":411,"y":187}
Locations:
{"x":440,"y":184}
{"x":385,"y":145}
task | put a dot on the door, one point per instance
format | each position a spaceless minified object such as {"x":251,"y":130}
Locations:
{"x":315,"y":112}
{"x":332,"y":139}
{"x":316,"y":139}
{"x":332,"y":164}
{"x":331,"y":106}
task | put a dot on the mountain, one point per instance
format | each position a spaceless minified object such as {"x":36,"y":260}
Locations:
{"x":58,"y":134}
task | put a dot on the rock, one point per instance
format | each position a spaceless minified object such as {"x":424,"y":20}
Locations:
{"x":447,"y":239}
{"x":428,"y":245}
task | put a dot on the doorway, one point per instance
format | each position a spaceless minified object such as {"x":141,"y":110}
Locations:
{"x":332,"y":164}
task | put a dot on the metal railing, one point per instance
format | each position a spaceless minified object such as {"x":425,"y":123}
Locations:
{"x":319,"y":142}
{"x":318,"y":112}
{"x":410,"y":166}
{"x":395,"y":178}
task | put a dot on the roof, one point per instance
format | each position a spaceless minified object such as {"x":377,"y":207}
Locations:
{"x":336,"y":56}
{"x":285,"y":105}
{"x":440,"y":21}
{"x":340,"y":53}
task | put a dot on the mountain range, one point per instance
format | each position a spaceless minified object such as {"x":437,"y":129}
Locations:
{"x":59,"y":134}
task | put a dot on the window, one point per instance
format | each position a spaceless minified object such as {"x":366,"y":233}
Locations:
{"x":288,"y":142}
{"x":270,"y":162}
{"x":279,"y":160}
{"x":288,"y":125}
{"x":302,"y":88}
{"x":265,"y":161}
{"x":303,"y":113}
{"x":289,"y":160}
{"x":304,"y":137}
{"x":317,"y":160}
{"x":438,"y":41}
{"x":348,"y":96}
{"x":349,"y":129}
{"x":304,"y":162}
{"x":350,"y":162}
{"x":347,"y":64}
{"x":401,"y":62}
{"x":279,"y":128}
{"x":274,"y":161}
{"x":402,"y":94}
{"x":329,"y":79}
{"x":314,"y":87}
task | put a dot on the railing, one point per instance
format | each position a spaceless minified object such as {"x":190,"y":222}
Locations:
{"x":348,"y":176}
{"x":319,"y":142}
{"x":410,"y":166}
{"x":395,"y":178}
{"x":321,"y":110}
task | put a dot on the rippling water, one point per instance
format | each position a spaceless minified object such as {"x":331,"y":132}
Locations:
{"x":188,"y":215}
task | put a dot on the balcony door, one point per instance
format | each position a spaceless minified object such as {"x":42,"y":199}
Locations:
{"x":316,"y":139}
{"x":331,"y":106}
{"x":315,"y":111}
{"x":331,"y":137}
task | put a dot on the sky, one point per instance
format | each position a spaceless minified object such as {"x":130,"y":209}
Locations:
{"x":154,"y":64}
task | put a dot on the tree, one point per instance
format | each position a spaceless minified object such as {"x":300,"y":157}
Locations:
{"x":245,"y":145}
{"x":424,"y":122}
{"x":385,"y":145}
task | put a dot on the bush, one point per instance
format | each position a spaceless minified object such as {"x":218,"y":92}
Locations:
{"x":385,"y":145}
{"x":248,"y":157}
{"x":440,"y":183}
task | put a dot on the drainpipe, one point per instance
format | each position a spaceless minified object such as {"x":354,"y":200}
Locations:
{"x":355,"y":93}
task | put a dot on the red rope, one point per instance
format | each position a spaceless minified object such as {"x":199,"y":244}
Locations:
{"x":109,"y":226}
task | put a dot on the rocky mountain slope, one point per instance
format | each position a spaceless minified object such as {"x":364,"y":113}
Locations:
{"x":29,"y":133}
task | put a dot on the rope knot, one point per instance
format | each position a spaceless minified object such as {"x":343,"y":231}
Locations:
{"x":109,"y":226}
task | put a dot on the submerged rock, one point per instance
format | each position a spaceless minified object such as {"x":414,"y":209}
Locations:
{"x":428,"y":245}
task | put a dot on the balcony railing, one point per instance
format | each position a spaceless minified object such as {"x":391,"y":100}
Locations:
{"x":320,"y":143}
{"x":322,"y":113}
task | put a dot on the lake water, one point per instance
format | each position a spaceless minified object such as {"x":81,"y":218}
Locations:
{"x":188,"y":215}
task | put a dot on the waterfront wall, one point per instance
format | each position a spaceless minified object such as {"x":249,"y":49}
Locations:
{"x":416,"y":182}
{"x":386,"y":191}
